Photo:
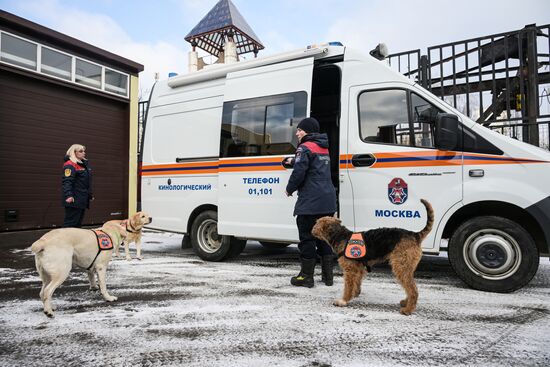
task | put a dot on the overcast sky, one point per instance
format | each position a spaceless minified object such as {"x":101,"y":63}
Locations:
{"x":152,"y":32}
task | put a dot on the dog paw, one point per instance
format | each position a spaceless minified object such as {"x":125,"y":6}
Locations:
{"x":128,"y":258}
{"x":405,"y":311}
{"x":340,"y":303}
{"x":111,"y":298}
{"x":95,"y":288}
{"x":139,"y":258}
{"x":403,"y":303}
{"x":48,"y":313}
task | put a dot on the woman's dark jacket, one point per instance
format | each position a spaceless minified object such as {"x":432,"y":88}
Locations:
{"x":76,"y":182}
{"x":311,"y":177}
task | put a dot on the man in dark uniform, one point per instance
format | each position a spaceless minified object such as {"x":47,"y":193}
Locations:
{"x":76,"y":184}
{"x":316,"y":198}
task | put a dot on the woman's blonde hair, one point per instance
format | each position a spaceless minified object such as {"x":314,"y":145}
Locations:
{"x":72,"y":150}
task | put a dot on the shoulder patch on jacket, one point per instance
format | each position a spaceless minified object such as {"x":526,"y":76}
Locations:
{"x":67,"y":172}
{"x":314,"y":148}
{"x":298,"y":157}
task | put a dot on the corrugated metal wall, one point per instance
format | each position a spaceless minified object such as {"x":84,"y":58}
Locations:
{"x":39,"y":120}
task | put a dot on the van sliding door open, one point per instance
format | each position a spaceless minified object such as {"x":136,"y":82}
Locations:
{"x":257,"y":134}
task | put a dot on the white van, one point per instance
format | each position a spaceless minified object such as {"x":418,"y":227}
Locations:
{"x":215,"y":140}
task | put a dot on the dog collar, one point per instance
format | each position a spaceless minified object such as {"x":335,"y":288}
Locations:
{"x":127,"y":229}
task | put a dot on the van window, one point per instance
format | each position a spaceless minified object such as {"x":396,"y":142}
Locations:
{"x":261,"y":126}
{"x":423,"y":121}
{"x":396,"y":116}
{"x":384,"y":117}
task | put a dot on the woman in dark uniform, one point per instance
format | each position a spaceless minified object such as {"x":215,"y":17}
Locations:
{"x":316,"y":198}
{"x":76,"y":185}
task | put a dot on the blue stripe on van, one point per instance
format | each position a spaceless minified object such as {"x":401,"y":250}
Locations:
{"x":419,"y":158}
{"x":266,"y":164}
{"x":178,"y":169}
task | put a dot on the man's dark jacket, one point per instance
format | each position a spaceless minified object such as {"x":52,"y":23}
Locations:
{"x":76,"y":182}
{"x":311,"y":177}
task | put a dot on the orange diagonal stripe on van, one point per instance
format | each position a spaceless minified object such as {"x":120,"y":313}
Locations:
{"x":434,"y":158}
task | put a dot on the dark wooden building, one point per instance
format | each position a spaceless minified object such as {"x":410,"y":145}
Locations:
{"x":56,"y":91}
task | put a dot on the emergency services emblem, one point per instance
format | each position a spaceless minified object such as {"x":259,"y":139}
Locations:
{"x":397,"y":191}
{"x":298,"y":157}
{"x":67,"y":172}
{"x":355,"y":251}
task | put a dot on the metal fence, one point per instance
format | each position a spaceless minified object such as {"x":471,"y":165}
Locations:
{"x":501,"y":81}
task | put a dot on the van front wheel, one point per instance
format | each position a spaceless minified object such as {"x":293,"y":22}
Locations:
{"x":206,"y":241}
{"x":493,"y":254}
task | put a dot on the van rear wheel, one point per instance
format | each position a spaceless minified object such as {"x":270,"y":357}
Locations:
{"x":206,"y":241}
{"x":493,"y":254}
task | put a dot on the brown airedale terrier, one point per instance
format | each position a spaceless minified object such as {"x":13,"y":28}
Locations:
{"x":402,"y":248}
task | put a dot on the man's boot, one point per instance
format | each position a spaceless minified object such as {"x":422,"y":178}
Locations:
{"x":305,"y":278}
{"x":327,"y":274}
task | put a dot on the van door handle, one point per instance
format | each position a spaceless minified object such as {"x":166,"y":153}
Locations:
{"x":286,"y":165}
{"x":363,"y":160}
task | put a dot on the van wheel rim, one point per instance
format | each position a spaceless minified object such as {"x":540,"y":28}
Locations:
{"x":492,"y":254}
{"x":208,"y":239}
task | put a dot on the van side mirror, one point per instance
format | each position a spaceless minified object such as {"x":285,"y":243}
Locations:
{"x":446,"y":131}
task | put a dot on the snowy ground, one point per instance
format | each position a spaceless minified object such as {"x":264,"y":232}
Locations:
{"x":177,"y":310}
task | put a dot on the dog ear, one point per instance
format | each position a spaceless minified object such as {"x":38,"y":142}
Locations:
{"x":134,"y":220}
{"x":334,"y":226}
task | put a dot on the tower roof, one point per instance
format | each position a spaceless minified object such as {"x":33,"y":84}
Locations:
{"x":224,"y":20}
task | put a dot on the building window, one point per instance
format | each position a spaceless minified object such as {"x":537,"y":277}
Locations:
{"x":56,"y":64}
{"x":116,"y":82}
{"x":22,"y":53}
{"x":18,"y":52}
{"x":88,"y":74}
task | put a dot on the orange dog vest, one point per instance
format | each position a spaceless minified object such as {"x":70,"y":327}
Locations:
{"x":355,"y":248}
{"x":104,"y":243}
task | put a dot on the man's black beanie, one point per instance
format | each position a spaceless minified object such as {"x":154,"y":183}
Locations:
{"x":309,"y":125}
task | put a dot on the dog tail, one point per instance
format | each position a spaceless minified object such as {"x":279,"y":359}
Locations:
{"x":429,"y":224}
{"x":38,"y":246}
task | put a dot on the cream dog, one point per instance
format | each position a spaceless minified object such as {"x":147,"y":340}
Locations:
{"x":57,"y":250}
{"x":133,"y":226}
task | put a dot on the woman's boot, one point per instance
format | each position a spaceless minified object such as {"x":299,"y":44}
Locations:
{"x":305,"y":278}
{"x":327,"y":274}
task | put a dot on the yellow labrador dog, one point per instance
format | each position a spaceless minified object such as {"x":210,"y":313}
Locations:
{"x":57,"y":250}
{"x":133,"y":226}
